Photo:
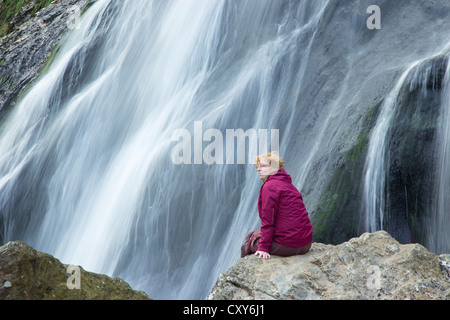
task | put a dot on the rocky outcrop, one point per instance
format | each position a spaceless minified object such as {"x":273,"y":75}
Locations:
{"x":372,"y":266}
{"x":27,"y":274}
{"x":26,"y":49}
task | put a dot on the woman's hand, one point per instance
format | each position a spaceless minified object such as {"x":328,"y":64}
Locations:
{"x":262,"y":254}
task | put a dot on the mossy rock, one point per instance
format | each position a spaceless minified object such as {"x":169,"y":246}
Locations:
{"x":10,"y":10}
{"x":337,"y":214}
{"x":27,"y":274}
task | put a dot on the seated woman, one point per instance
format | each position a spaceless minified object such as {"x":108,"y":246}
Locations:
{"x":285,"y":226}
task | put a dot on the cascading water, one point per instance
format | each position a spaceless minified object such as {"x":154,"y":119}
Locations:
{"x":86,"y":157}
{"x":438,"y":232}
{"x":375,"y":171}
{"x":86,"y":170}
{"x":377,"y":166}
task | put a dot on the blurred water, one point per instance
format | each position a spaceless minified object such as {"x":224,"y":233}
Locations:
{"x":438,"y":230}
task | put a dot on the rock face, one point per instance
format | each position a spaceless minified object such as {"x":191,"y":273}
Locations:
{"x":373,"y":266}
{"x":28,"y":47}
{"x":27,"y":274}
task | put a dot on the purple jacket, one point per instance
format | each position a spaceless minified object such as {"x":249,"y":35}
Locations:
{"x":284,"y":218}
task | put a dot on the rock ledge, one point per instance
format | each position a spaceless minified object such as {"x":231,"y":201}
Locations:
{"x":373,"y":266}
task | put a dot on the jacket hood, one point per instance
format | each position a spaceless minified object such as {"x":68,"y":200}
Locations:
{"x":281,"y":175}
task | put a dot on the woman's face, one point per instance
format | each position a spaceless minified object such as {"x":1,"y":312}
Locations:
{"x":264,"y":168}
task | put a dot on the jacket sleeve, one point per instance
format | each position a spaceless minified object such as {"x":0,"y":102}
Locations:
{"x":268,"y":214}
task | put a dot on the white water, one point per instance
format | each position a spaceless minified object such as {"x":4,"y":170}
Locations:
{"x":375,"y":168}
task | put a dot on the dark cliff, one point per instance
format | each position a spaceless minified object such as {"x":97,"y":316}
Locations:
{"x":29,"y":39}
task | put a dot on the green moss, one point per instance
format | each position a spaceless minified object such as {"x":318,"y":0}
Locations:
{"x":359,"y":148}
{"x":11,"y":8}
{"x":336,"y":218}
{"x":50,"y":60}
{"x":323,"y":215}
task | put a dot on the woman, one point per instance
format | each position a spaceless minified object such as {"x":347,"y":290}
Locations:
{"x":285,"y":226}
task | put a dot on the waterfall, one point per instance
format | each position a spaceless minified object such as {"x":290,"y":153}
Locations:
{"x":85,"y":168}
{"x":87,"y":157}
{"x":438,"y":233}
{"x":376,"y":194}
{"x":375,"y":168}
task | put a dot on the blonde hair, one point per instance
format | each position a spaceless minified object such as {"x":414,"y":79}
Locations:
{"x":273,"y":158}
